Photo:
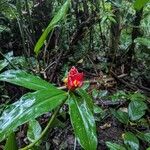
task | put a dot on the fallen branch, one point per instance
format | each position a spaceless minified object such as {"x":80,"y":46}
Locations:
{"x":131,"y":86}
{"x":109,"y":102}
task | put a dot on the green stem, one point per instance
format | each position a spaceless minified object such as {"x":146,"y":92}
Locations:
{"x":46,"y":128}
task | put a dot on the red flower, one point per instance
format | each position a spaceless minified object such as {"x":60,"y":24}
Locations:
{"x":74,"y":79}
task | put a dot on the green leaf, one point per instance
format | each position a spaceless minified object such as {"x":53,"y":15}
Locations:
{"x":147,"y":137}
{"x":121,"y":116}
{"x":102,"y":93}
{"x":114,"y":146}
{"x":24,"y":79}
{"x":137,"y":96}
{"x":95,"y":93}
{"x":83,"y":122}
{"x":34,"y":130}
{"x":3,"y":64}
{"x":136,"y":109}
{"x":98,"y":109}
{"x":11,"y":143}
{"x":138,"y":4}
{"x":60,"y":14}
{"x":119,"y":95}
{"x":144,"y":136}
{"x":85,"y":85}
{"x":31,"y":105}
{"x":4,"y":28}
{"x":84,"y":95}
{"x":143,"y":41}
{"x":131,"y":140}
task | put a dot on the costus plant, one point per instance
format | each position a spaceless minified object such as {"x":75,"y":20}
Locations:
{"x":74,"y":79}
{"x":48,"y":98}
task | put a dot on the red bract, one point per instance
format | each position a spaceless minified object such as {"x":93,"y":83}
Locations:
{"x":74,"y":79}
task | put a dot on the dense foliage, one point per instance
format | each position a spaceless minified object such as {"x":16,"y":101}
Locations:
{"x":45,"y":103}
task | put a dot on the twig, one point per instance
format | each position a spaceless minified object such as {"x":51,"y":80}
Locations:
{"x":131,"y":86}
{"x":93,"y":65}
{"x":56,"y":65}
{"x":109,"y":102}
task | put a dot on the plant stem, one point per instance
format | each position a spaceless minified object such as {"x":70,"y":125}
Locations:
{"x":46,"y":128}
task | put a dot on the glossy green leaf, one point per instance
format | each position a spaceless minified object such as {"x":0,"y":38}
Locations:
{"x":24,"y":79}
{"x":60,"y":14}
{"x":83,"y":122}
{"x":85,"y":85}
{"x":98,"y":109}
{"x":119,"y":95}
{"x":137,"y":96}
{"x":11,"y":143}
{"x":144,"y":136}
{"x":31,"y":105}
{"x":34,"y":130}
{"x":131,"y":140}
{"x":136,"y":109}
{"x":4,"y":28}
{"x":114,"y":146}
{"x":84,"y":95}
{"x":143,"y":41}
{"x":3,"y":64}
{"x":138,"y":4}
{"x":121,"y":116}
{"x":95,"y":93}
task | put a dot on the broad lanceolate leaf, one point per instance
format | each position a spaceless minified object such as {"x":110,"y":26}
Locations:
{"x":83,"y":122}
{"x":87,"y":98}
{"x":136,"y":109}
{"x":29,"y":106}
{"x":140,"y":3}
{"x":24,"y":79}
{"x":60,"y":14}
{"x":131,"y":140}
{"x":11,"y":143}
{"x":34,"y":130}
{"x":114,"y":146}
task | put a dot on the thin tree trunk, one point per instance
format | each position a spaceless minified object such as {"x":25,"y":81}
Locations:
{"x":135,"y":33}
{"x":114,"y":35}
